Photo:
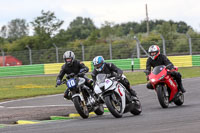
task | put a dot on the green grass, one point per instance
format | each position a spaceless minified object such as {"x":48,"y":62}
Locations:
{"x":21,"y":87}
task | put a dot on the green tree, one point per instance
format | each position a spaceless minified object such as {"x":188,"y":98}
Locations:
{"x":118,"y":31}
{"x":106,"y":30}
{"x":20,"y":44}
{"x":80,"y":28}
{"x":3,"y":32}
{"x":45,"y":27}
{"x":62,"y":38}
{"x":167,"y":30}
{"x":46,"y":24}
{"x":195,"y":41}
{"x":2,"y":40}
{"x":182,"y":27}
{"x":16,"y":29}
{"x":93,"y":38}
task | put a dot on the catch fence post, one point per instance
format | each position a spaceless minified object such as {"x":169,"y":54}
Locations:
{"x":190,"y":43}
{"x":30,"y":54}
{"x":163,"y":40}
{"x":56,"y":52}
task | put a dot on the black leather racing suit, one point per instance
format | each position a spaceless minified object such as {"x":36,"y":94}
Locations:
{"x":110,"y":68}
{"x":74,"y":68}
{"x":163,"y":60}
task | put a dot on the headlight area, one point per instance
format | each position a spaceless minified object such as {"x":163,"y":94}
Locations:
{"x":153,"y":80}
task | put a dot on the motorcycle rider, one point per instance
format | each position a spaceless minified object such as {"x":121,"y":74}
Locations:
{"x":157,"y":59}
{"x":109,"y":68}
{"x":72,"y":66}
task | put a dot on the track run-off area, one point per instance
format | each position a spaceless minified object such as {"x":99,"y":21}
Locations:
{"x":153,"y":119}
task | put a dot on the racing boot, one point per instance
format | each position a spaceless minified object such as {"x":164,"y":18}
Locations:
{"x":133,"y":94}
{"x":180,"y":87}
{"x":178,"y":79}
{"x":89,"y":84}
{"x":134,"y":97}
{"x":67,"y":95}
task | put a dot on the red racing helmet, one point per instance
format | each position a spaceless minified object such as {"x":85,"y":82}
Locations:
{"x":154,"y":51}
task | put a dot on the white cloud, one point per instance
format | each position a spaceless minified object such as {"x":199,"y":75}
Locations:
{"x":116,"y":11}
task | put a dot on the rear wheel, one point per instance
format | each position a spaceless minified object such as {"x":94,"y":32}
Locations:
{"x":162,"y":96}
{"x":180,"y":99}
{"x":81,"y":107}
{"x":114,"y":105}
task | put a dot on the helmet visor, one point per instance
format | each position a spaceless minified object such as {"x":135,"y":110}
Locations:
{"x":153,"y":53}
{"x":68,"y":60}
{"x":98,"y":66}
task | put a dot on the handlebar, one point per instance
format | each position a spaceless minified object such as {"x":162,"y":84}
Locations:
{"x":71,"y":75}
{"x":63,"y":82}
{"x":81,"y":74}
{"x":147,"y":72}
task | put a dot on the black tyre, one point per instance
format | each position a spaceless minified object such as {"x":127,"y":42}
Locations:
{"x":99,"y":110}
{"x":180,"y":100}
{"x":81,"y":108}
{"x":162,"y":97}
{"x":137,"y":109}
{"x":114,"y":105}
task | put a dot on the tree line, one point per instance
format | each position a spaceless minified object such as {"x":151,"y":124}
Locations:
{"x":47,"y":31}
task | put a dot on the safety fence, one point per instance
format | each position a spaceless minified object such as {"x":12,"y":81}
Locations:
{"x":117,"y":48}
{"x":124,"y":64}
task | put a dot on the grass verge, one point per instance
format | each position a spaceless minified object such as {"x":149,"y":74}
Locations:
{"x":22,"y":87}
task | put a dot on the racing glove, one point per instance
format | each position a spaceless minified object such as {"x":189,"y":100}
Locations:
{"x":58,"y":82}
{"x":118,"y":76}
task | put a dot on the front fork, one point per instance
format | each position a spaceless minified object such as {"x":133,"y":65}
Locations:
{"x":164,"y":87}
{"x":165,"y":90}
{"x":80,"y":95}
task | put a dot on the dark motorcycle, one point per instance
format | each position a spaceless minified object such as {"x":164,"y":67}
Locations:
{"x":81,"y":96}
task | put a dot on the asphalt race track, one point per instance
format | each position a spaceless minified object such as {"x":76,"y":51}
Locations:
{"x":154,"y":119}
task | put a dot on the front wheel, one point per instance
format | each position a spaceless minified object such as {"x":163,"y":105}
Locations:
{"x":114,"y":105}
{"x":180,"y":100}
{"x":81,"y":107}
{"x":162,"y":96}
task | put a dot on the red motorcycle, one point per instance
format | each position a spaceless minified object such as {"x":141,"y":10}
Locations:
{"x":165,"y":86}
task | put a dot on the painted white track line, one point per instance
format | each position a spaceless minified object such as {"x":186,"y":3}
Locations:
{"x":29,"y":98}
{"x":20,"y":107}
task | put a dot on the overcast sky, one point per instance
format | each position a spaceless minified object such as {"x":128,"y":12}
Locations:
{"x":117,"y":11}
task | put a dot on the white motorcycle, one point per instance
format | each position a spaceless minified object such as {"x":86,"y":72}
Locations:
{"x":117,"y":99}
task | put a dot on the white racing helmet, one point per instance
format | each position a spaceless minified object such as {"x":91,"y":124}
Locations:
{"x":154,"y":49}
{"x":69,"y":55}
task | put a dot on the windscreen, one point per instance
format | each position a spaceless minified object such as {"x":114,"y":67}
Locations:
{"x":101,"y":78}
{"x":158,"y":69}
